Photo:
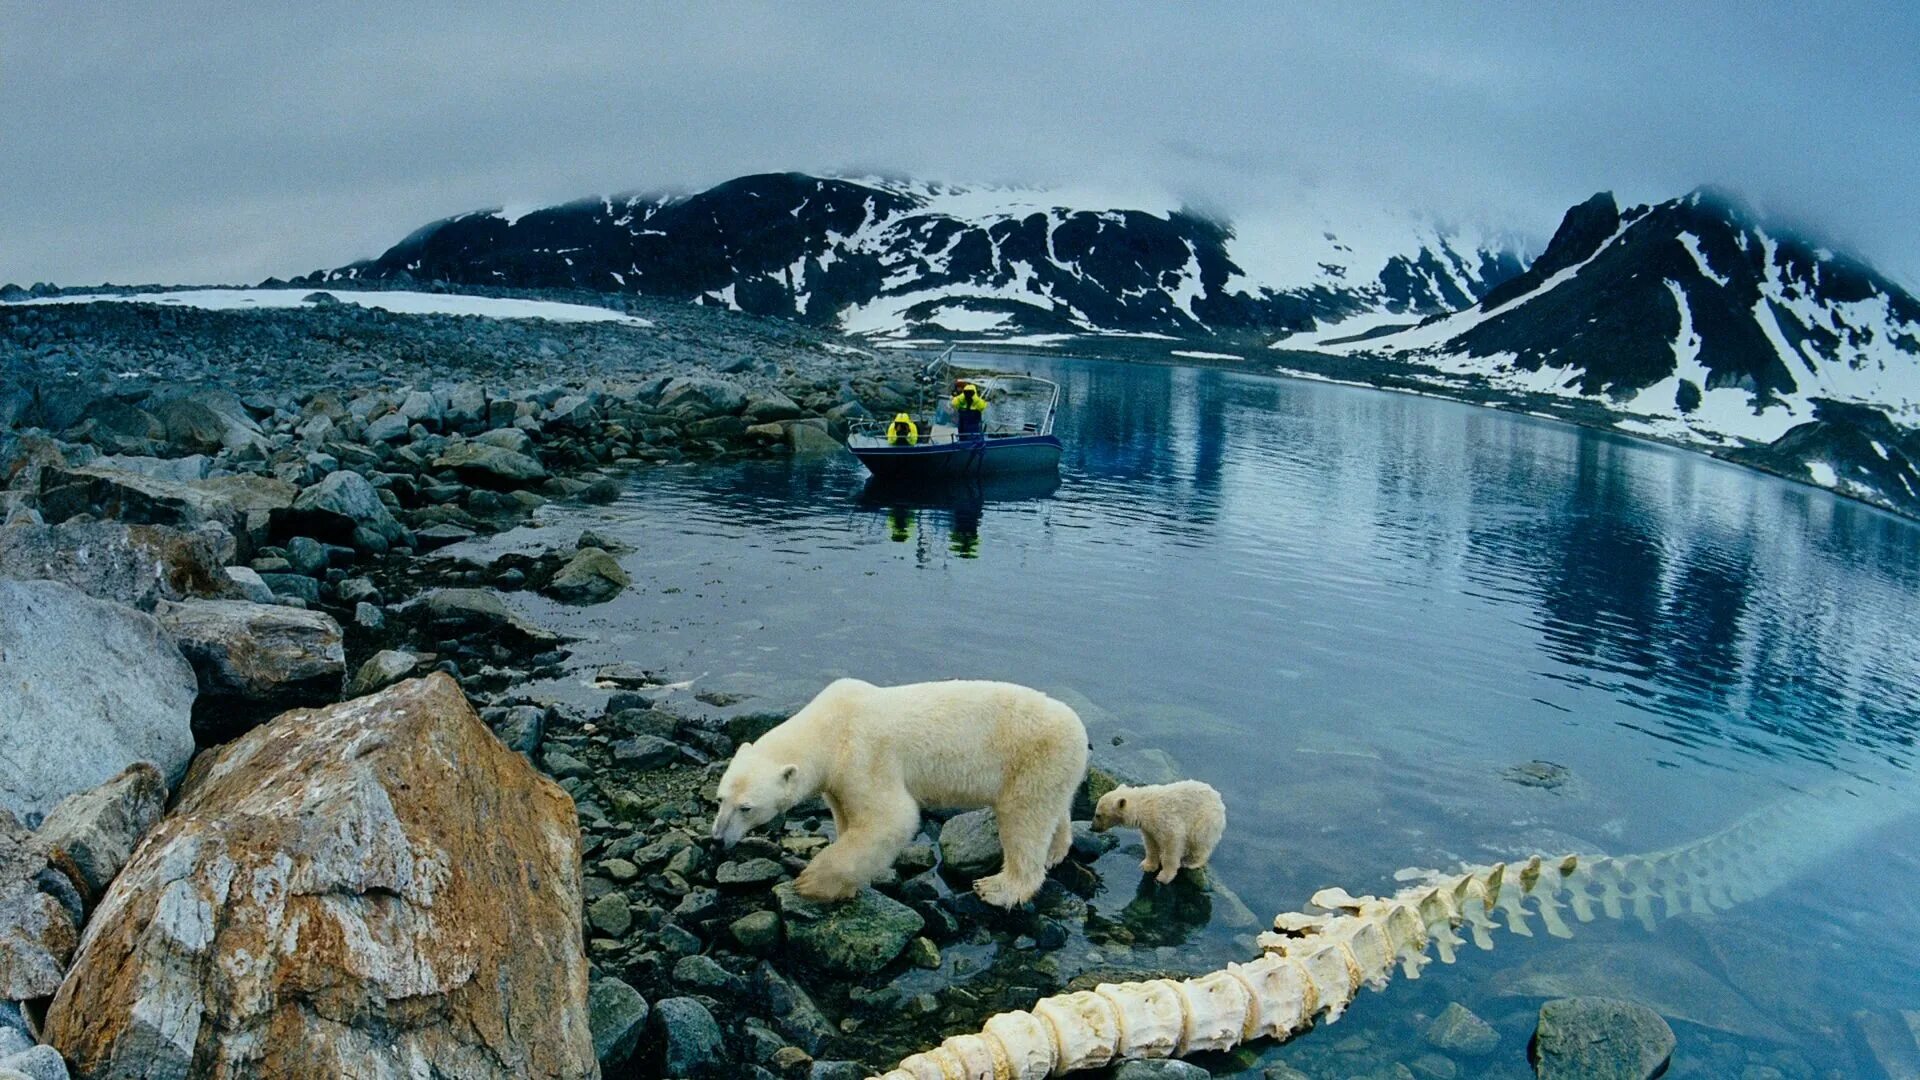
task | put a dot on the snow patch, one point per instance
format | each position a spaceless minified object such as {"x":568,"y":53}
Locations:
{"x":1198,"y":355}
{"x":400,"y":303}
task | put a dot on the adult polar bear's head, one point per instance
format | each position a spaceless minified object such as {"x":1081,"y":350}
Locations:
{"x":754,"y":790}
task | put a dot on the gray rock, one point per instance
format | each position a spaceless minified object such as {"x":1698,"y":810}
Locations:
{"x":617,"y":1016}
{"x":368,"y":616}
{"x":855,"y":937}
{"x":92,"y":834}
{"x":382,"y":669}
{"x":207,"y":420}
{"x":307,"y":556}
{"x":645,"y":752}
{"x":40,"y":917}
{"x":705,"y":973}
{"x":692,"y":1038}
{"x":611,"y":915}
{"x":793,"y":1012}
{"x":750,"y":872}
{"x":758,"y":932}
{"x":522,"y":727}
{"x":259,"y":653}
{"x":766,"y":406}
{"x":808,"y":441}
{"x":507,"y":438}
{"x":180,"y":470}
{"x":422,"y":407}
{"x":1589,"y":1038}
{"x":251,"y":585}
{"x":39,"y":1063}
{"x":466,"y":408}
{"x":136,"y":565}
{"x":970,"y":843}
{"x":88,"y":689}
{"x":292,"y":586}
{"x":131,"y":497}
{"x":482,"y":463}
{"x":389,"y":428}
{"x":590,"y":577}
{"x":337,"y":506}
{"x":836,"y":1070}
{"x":1459,"y":1032}
{"x":481,"y":611}
{"x":702,"y":397}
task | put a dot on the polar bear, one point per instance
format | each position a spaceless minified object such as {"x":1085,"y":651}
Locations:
{"x":878,"y":754}
{"x":1180,"y":823}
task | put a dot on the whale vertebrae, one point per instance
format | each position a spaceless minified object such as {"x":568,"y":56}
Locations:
{"x":1312,"y":965}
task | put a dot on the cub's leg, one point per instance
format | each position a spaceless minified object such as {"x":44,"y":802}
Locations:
{"x":1152,"y":861}
{"x":875,"y":831}
{"x":1171,"y":853}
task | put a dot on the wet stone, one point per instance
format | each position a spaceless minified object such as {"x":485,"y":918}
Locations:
{"x":1593,"y":1038}
{"x":1458,"y":1031}
{"x":750,"y":872}
{"x":858,"y":936}
{"x":758,"y":932}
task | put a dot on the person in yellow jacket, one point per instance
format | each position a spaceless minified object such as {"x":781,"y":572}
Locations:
{"x":903,"y":431}
{"x":969,"y":409}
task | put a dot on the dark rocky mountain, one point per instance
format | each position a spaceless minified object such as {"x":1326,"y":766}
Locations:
{"x":1696,"y":320}
{"x":899,"y":259}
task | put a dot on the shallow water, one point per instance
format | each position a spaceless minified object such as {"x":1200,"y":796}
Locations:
{"x":1352,"y":611}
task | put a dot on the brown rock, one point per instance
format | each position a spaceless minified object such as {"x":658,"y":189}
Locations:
{"x":378,"y":888}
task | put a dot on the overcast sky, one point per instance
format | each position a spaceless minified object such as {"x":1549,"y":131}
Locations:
{"x":191,"y":143}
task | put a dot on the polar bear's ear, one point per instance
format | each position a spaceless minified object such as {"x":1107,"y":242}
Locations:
{"x":788,"y":772}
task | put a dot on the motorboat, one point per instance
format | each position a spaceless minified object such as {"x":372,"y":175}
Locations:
{"x":1016,"y":437}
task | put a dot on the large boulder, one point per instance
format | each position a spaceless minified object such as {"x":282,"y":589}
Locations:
{"x":133,"y":497}
{"x":342,"y":508}
{"x":87,"y":688}
{"x":490,"y":466}
{"x":260,"y":654}
{"x":618,"y":1016}
{"x":136,"y":565}
{"x":1592,"y":1038}
{"x":378,"y":888}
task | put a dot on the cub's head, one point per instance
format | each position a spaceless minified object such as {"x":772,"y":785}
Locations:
{"x":1111,"y":810}
{"x":753,"y":791}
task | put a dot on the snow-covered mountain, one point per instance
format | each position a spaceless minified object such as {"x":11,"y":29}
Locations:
{"x":1701,"y":323}
{"x":893,"y":259}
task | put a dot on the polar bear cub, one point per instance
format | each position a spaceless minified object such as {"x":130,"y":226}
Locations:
{"x":1180,"y":823}
{"x":877,"y":755}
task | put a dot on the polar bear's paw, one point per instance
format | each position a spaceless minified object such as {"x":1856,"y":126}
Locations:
{"x":1000,"y":891}
{"x":815,"y":885}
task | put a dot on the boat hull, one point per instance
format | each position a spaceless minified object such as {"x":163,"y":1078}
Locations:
{"x":987,"y":457}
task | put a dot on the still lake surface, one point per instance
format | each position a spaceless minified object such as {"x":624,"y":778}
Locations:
{"x":1353,"y":612}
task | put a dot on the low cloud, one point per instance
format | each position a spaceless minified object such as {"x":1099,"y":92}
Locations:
{"x":193,"y":144}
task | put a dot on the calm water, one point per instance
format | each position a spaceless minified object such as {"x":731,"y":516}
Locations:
{"x":1352,"y":612}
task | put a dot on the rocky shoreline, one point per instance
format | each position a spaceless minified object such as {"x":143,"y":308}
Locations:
{"x":296,"y":802}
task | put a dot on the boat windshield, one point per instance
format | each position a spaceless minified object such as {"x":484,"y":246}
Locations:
{"x":1016,"y":405}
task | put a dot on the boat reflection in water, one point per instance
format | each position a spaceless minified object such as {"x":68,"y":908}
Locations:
{"x":911,"y":507}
